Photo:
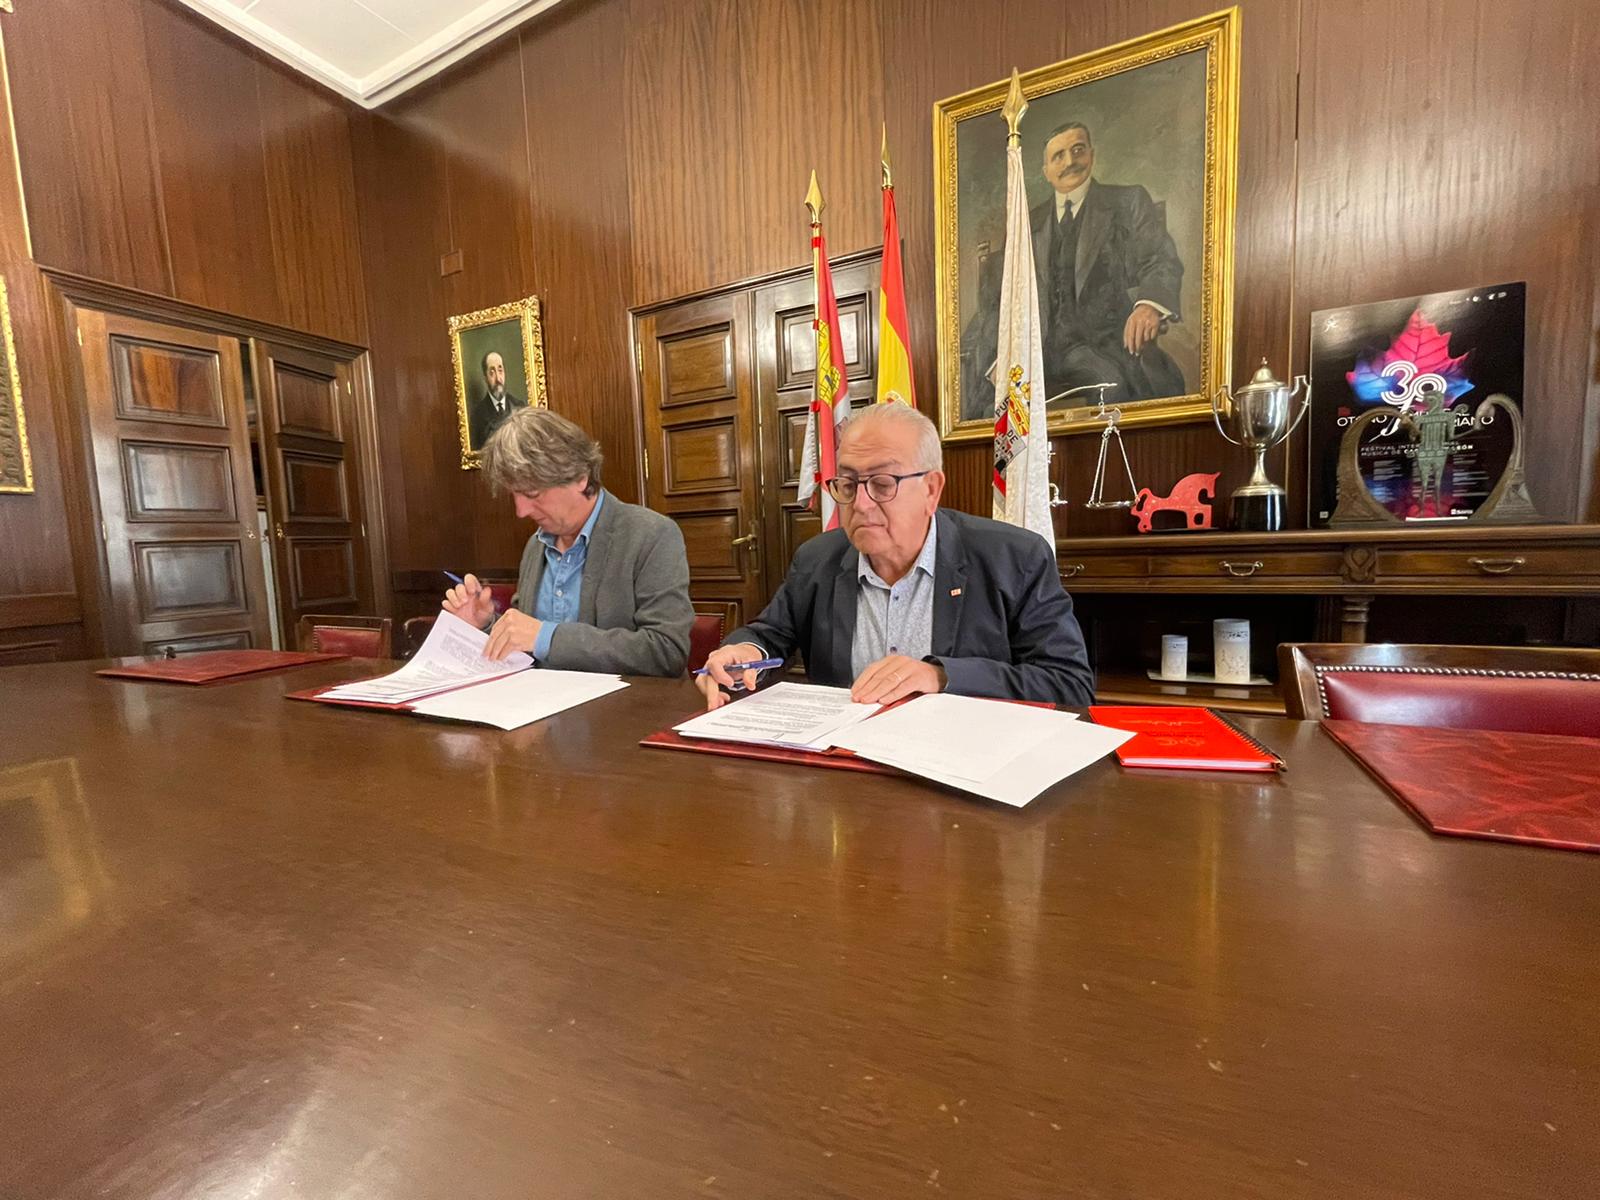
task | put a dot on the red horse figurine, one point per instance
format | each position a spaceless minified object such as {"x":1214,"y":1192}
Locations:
{"x":1192,"y":496}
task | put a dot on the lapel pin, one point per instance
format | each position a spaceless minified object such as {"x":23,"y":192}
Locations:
{"x":955,"y":591}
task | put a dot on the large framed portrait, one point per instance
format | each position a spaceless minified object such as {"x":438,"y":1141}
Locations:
{"x":498,"y":355}
{"x":1130,"y":155}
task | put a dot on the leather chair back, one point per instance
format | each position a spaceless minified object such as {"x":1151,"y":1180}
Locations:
{"x":705,"y":635}
{"x":360,"y":637}
{"x":1513,"y":689}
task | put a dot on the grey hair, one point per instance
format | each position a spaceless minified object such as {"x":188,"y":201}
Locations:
{"x":930,"y":453}
{"x":1065,"y":126}
{"x":537,"y":449}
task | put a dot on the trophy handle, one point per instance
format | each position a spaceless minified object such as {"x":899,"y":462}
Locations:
{"x":1216,"y":415}
{"x":1305,"y":405}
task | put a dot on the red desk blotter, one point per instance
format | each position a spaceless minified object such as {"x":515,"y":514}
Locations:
{"x":214,"y":666}
{"x":1536,"y":788}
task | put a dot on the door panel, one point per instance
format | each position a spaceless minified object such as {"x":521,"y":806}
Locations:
{"x":173,"y":480}
{"x":311,"y":459}
{"x":701,"y":445}
{"x":786,"y":363}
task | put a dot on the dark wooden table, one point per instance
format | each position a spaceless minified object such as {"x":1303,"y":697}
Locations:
{"x":260,"y":948}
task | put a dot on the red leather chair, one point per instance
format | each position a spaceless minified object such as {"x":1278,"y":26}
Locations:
{"x":705,"y":635}
{"x":361,"y":637}
{"x":1518,"y":689}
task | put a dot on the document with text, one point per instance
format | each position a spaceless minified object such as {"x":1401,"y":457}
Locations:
{"x":452,"y":656}
{"x":797,"y":716}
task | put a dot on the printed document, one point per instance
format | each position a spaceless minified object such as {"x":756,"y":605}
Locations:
{"x":452,"y":656}
{"x":796,"y":716}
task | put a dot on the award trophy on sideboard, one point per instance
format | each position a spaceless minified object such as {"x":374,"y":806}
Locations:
{"x":1259,"y":412}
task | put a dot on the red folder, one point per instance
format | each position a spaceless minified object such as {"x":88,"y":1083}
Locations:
{"x":214,"y":666}
{"x":838,"y":758}
{"x":1182,"y":738}
{"x":1538,"y":789}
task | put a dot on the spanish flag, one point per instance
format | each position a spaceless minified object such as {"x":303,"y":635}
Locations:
{"x":830,"y":398}
{"x":894,"y":332}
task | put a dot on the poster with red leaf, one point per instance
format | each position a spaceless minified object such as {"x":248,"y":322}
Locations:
{"x":1467,"y":343}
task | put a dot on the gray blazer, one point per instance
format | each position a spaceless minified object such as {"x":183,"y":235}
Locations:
{"x":634,"y":612}
{"x":1002,"y":624}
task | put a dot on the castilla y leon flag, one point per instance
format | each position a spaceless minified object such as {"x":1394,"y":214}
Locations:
{"x":830,"y":398}
{"x":1021,"y":432}
{"x":894,"y":332}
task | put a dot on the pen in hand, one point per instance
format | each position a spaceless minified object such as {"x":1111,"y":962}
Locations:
{"x":760,"y":664}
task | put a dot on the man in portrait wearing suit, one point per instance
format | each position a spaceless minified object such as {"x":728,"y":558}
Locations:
{"x":490,"y":410}
{"x":907,"y":597}
{"x":1109,"y":276}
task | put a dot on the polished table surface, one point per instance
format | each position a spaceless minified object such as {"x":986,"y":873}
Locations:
{"x":256,"y":948}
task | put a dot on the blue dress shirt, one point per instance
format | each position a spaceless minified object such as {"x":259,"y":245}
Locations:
{"x":562,"y":583}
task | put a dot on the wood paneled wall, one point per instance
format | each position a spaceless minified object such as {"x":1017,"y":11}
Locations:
{"x":157,"y":153}
{"x":665,"y":146}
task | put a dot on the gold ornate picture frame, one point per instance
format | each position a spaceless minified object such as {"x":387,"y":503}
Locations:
{"x":1141,"y":144}
{"x":495,"y":352}
{"x":16,"y":462}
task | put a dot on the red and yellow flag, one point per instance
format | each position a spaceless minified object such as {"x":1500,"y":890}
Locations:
{"x":894,"y":332}
{"x":830,"y":397}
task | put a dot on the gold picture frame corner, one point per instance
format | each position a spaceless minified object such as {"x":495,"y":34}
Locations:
{"x":16,"y":475}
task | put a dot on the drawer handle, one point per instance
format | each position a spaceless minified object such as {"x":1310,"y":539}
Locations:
{"x":1497,"y":566}
{"x":1068,"y":570}
{"x":1241,"y":569}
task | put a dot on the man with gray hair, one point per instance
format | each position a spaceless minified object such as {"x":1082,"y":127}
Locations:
{"x":907,"y":597}
{"x":604,"y":585}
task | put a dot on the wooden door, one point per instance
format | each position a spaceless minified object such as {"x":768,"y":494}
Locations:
{"x":176,"y":492}
{"x":786,"y":365}
{"x":702,"y":458}
{"x":310,"y":454}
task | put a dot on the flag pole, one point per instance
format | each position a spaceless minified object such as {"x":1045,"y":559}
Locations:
{"x":883,"y":154}
{"x":1016,"y":104}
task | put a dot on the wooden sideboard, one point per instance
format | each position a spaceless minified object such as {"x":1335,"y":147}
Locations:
{"x":1343,"y":570}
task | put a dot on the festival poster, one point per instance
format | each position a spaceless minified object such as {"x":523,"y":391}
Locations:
{"x":1467,"y":342}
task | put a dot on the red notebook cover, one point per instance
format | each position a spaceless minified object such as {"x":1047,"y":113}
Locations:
{"x":1182,"y":738}
{"x":214,"y":666}
{"x":1539,"y":789}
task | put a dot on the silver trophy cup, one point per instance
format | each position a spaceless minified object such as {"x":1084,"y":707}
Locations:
{"x":1259,"y":414}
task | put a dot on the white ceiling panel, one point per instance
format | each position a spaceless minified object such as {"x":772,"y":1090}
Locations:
{"x":341,"y":32}
{"x":369,"y":50}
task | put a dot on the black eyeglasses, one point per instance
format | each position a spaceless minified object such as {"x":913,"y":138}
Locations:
{"x":882,"y":488}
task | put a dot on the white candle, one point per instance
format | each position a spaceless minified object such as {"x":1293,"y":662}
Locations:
{"x":1174,"y":656}
{"x":1231,"y":647}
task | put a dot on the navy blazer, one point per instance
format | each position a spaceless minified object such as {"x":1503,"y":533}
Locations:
{"x":1002,"y":623}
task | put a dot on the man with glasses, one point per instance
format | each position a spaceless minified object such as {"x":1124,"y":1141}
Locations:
{"x":907,"y":597}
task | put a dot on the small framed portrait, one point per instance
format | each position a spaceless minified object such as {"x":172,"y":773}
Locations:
{"x":498,"y":355}
{"x":1130,"y":155}
{"x":16,"y":465}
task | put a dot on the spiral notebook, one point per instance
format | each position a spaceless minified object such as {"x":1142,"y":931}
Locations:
{"x":1183,"y":739}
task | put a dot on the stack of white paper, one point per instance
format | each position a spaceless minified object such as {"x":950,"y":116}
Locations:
{"x":991,"y":748}
{"x":795,"y":716}
{"x":517,"y":700}
{"x":452,"y":656}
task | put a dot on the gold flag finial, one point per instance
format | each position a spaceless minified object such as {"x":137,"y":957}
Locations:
{"x":814,"y":199}
{"x":888,"y":178}
{"x":1016,"y":104}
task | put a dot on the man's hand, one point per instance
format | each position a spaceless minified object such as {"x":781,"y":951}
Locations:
{"x":1144,"y":322}
{"x":470,"y":601}
{"x":514,"y":631}
{"x":890,"y":679}
{"x":716,"y":677}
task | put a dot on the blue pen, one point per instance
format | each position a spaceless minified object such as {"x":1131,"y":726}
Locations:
{"x":453,"y":577}
{"x":759,"y":665}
